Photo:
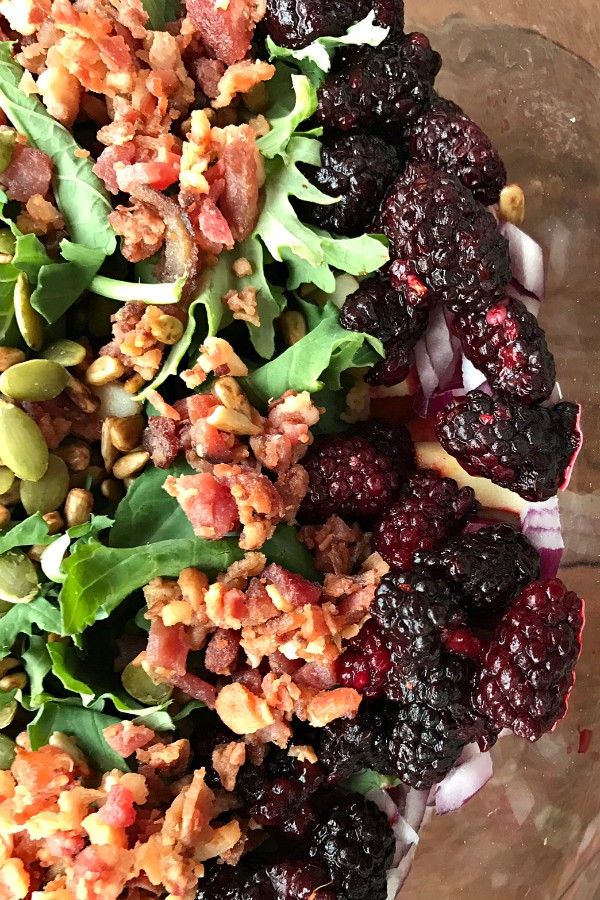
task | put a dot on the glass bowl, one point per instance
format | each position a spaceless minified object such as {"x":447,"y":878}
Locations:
{"x":524,"y":70}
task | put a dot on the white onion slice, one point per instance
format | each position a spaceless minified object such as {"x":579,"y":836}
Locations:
{"x":540,"y":523}
{"x":52,"y":558}
{"x":116,"y":401}
{"x":527,"y":259}
{"x":472,"y":771}
{"x":472,"y":377}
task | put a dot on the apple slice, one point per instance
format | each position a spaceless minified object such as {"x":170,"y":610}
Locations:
{"x":431,"y":455}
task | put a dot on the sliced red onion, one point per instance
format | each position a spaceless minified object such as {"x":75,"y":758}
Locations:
{"x":442,"y":399}
{"x":472,"y":378}
{"x":472,"y":771}
{"x":438,"y":341}
{"x":527,"y":259}
{"x":528,"y":300}
{"x":540,"y":523}
{"x":428,"y":377}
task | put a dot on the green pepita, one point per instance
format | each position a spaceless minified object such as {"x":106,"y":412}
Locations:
{"x":6,"y":479}
{"x":8,"y":242}
{"x":18,"y":577}
{"x":67,"y":353}
{"x":8,"y":138}
{"x":8,"y":751}
{"x":47,"y":494}
{"x":140,"y":686}
{"x":7,"y":713}
{"x":31,"y":324}
{"x":34,"y":380}
{"x":22,"y":447}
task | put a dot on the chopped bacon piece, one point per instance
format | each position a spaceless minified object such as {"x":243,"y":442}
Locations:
{"x":110,"y":160}
{"x":207,"y":74}
{"x":330,"y":705}
{"x":241,"y":710}
{"x":208,"y":504}
{"x":222,"y":651}
{"x":168,"y":647}
{"x":227,"y":760}
{"x":142,"y":230}
{"x":158,"y":175}
{"x":239,"y":79}
{"x":195,"y":687}
{"x":243,"y":172}
{"x":26,"y":16}
{"x":286,"y":436}
{"x":119,"y":810}
{"x":125,"y":737}
{"x":28,"y":173}
{"x":100,"y":871}
{"x":43,"y":773}
{"x":294,"y":589}
{"x":226,"y":28}
{"x":317,"y":675}
{"x":65,"y":843}
{"x":260,"y":507}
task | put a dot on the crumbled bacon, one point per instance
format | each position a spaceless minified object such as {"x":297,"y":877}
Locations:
{"x":195,"y":687}
{"x":170,"y":759}
{"x":227,"y":760}
{"x":142,"y":230}
{"x":286,"y":436}
{"x":207,"y":74}
{"x":207,"y":502}
{"x":119,"y":809}
{"x":29,"y":173}
{"x":25,"y":16}
{"x":259,"y":505}
{"x":338,"y":547}
{"x":162,"y":439}
{"x":226,"y":28}
{"x":40,"y":218}
{"x":218,"y":356}
{"x":125,"y":737}
{"x":293,"y":487}
{"x":60,"y":417}
{"x":222,"y":651}
{"x":242,"y":304}
{"x":243,"y":174}
{"x":240,"y":78}
{"x":291,"y":590}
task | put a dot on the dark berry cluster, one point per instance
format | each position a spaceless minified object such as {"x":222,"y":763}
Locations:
{"x":527,"y":449}
{"x":295,"y":23}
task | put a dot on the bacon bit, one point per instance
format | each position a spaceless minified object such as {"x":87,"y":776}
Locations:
{"x":65,"y":843}
{"x":165,"y":759}
{"x":239,"y":572}
{"x":41,"y":217}
{"x":125,"y":738}
{"x":168,"y":647}
{"x":241,"y":710}
{"x":244,"y":175}
{"x":298,"y":591}
{"x":14,"y":880}
{"x":208,"y":73}
{"x":319,"y":675}
{"x":292,"y":487}
{"x":142,"y":230}
{"x":99,"y":871}
{"x":196,"y":688}
{"x":101,"y":833}
{"x":26,"y":16}
{"x":222,"y":652}
{"x":286,"y":436}
{"x":218,"y":356}
{"x":240,"y":78}
{"x":225,"y":607}
{"x":28,"y":173}
{"x":330,"y":705}
{"x":227,"y":760}
{"x":242,"y":267}
{"x":242,"y":305}
{"x":193,"y":585}
{"x":339,"y":547}
{"x":260,"y":507}
{"x":163,"y":408}
{"x":43,"y":773}
{"x":303,"y":753}
{"x":208,"y":504}
{"x":585,"y":739}
{"x":80,"y":153}
{"x":226,"y":28}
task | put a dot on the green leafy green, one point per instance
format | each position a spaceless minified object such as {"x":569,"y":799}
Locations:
{"x":295,"y":101}
{"x":86,"y":725}
{"x":366,"y":781}
{"x":24,"y":619}
{"x":317,"y":360}
{"x":60,"y":284}
{"x":81,"y":196}
{"x":38,"y":664}
{"x":126,"y":291}
{"x":24,"y":534}
{"x":9,"y":330}
{"x":309,"y":252}
{"x":160,"y":12}
{"x":315,"y":59}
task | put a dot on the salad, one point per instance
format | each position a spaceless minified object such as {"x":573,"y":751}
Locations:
{"x":280,"y":447}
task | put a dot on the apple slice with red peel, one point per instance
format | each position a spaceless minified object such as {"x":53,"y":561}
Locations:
{"x":395,"y":403}
{"x":431,"y":455}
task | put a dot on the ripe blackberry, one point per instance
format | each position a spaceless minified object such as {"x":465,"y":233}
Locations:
{"x":380,"y":87}
{"x":435,"y":721}
{"x":359,"y":168}
{"x":527,"y":449}
{"x":429,"y":509}
{"x":296,"y":23}
{"x":444,"y":240}
{"x":528,"y":670}
{"x":412,"y":609}
{"x":222,"y":882}
{"x":444,"y":136}
{"x":377,"y":308}
{"x":488,"y":568}
{"x":279,"y":793}
{"x":507,"y":344}
{"x":393,"y":440}
{"x":348,"y":477}
{"x":347,"y":746}
{"x":356,"y":843}
{"x":365,"y":663}
{"x":300,"y":879}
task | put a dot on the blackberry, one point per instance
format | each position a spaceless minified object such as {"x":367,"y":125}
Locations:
{"x":527,"y":449}
{"x":488,"y":567}
{"x":507,"y":344}
{"x":444,"y":136}
{"x":429,"y":509}
{"x":223,"y":882}
{"x":393,"y":440}
{"x":365,"y":663}
{"x":528,"y":670}
{"x":434,"y":722}
{"x":300,"y":879}
{"x":347,"y":746}
{"x":359,"y":168}
{"x":348,"y":478}
{"x":356,"y":843}
{"x":296,"y":23}
{"x":279,"y":794}
{"x":444,"y":240}
{"x":411,"y":609}
{"x":380,"y":87}
{"x":377,"y":308}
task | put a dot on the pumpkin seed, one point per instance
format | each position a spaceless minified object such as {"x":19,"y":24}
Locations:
{"x":18,"y":577}
{"x":31,"y":324}
{"x":7,"y":714}
{"x":34,"y":380}
{"x":6,"y":479}
{"x":8,"y":242}
{"x":22,"y":447}
{"x":47,"y":494}
{"x":67,"y":353}
{"x":8,"y":751}
{"x":140,"y":686}
{"x":8,"y":137}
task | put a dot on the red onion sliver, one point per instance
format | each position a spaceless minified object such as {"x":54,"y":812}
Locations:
{"x":530,"y":302}
{"x":527,"y":259}
{"x":428,"y":378}
{"x":473,"y":770}
{"x":540,"y":523}
{"x":472,"y":378}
